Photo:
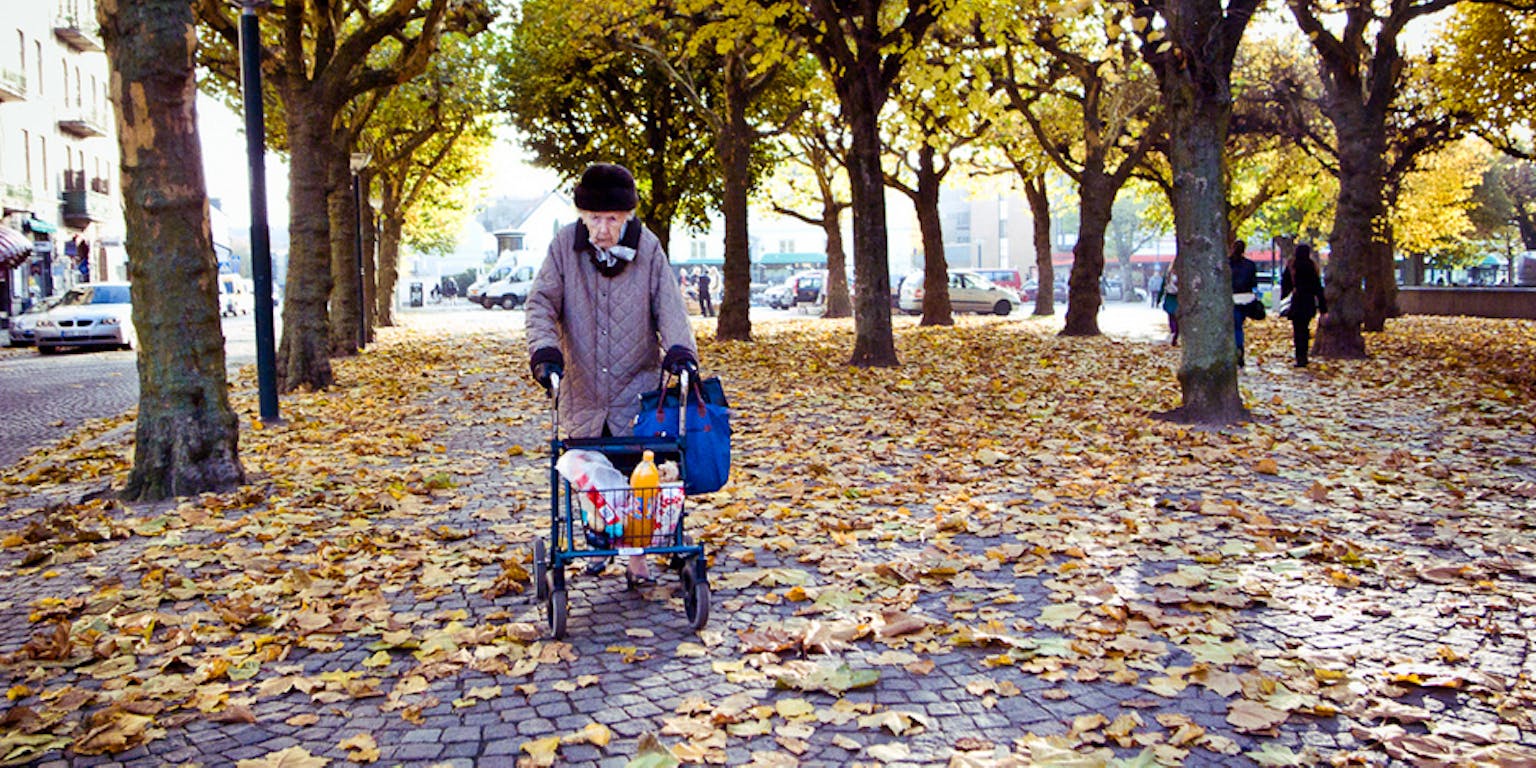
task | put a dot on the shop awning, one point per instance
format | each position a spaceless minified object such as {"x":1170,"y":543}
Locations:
{"x":15,"y":248}
{"x":39,"y":226}
{"x":784,"y":259}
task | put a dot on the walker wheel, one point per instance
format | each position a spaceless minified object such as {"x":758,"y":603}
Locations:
{"x":557,"y":615}
{"x":540,"y":571}
{"x":695,"y":597}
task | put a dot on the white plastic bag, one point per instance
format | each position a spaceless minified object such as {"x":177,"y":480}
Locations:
{"x":601,"y":491}
{"x":669,"y":510}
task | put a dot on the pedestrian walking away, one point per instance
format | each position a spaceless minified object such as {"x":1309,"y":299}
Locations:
{"x":706,"y":306}
{"x":1245,"y":284}
{"x":1301,"y":297}
{"x":1168,"y":299}
{"x":605,"y":312}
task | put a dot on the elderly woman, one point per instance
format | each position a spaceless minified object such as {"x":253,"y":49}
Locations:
{"x":605,"y":311}
{"x":607,"y":304}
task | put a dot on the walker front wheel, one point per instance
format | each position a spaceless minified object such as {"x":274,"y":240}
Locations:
{"x":540,"y":571}
{"x":557,"y":613}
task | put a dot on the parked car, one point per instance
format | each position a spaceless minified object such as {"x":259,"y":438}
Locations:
{"x":805,"y":287}
{"x":89,"y":315}
{"x":777,"y":296}
{"x":509,"y":292}
{"x":1007,"y":278}
{"x":24,"y":326}
{"x":799,"y":288}
{"x":236,"y":296}
{"x":1032,"y":291}
{"x":968,"y":292}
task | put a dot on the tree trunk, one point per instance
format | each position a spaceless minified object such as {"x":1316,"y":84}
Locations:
{"x":734,"y":146}
{"x":1045,"y":270}
{"x":873,"y":344}
{"x":370,"y":259}
{"x":1355,"y":235}
{"x":303,"y":356}
{"x":389,"y":252}
{"x":1381,"y":284}
{"x":937,"y":309}
{"x":186,"y":439}
{"x":838,"y":302}
{"x":1083,"y":295}
{"x":344,"y":257}
{"x":1198,"y":122}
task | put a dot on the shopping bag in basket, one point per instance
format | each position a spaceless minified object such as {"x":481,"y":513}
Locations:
{"x":707,"y":446}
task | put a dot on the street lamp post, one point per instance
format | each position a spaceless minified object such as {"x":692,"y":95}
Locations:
{"x":261,"y":247}
{"x":360,"y":161}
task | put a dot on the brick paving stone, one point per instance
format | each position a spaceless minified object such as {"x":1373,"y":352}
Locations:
{"x":464,"y":751}
{"x":418,"y":752}
{"x":579,"y":754}
{"x":535,"y":727}
{"x":570,"y":723}
{"x":461,"y":733}
{"x":422,"y":735}
{"x":249,"y":752}
{"x":555,"y":708}
{"x":501,"y":746}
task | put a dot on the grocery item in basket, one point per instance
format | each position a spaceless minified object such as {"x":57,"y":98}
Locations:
{"x":668,"y":512}
{"x":600,"y":490}
{"x":645,"y":482}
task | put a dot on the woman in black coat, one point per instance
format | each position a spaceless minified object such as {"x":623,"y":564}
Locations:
{"x":1304,"y":286}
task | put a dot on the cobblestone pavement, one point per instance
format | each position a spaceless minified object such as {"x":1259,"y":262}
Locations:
{"x":630,"y":663}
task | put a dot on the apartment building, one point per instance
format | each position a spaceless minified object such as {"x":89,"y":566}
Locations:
{"x":58,"y":155}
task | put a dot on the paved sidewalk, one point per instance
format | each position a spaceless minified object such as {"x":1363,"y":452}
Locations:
{"x":932,"y":632}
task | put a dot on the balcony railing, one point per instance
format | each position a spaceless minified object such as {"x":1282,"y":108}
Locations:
{"x":101,"y":185}
{"x":81,"y":207}
{"x":78,"y":31}
{"x":85,"y":124}
{"x":13,"y":85}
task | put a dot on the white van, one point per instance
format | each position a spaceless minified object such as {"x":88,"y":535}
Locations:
{"x":237,"y":296}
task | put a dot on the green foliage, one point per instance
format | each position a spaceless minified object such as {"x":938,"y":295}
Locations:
{"x":1490,"y":69}
{"x":576,"y":98}
{"x":430,"y":141}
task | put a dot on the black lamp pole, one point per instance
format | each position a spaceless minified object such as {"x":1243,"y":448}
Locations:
{"x":360,"y":161}
{"x":261,"y":247}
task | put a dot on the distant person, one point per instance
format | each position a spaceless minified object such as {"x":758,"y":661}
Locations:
{"x":1304,"y":285}
{"x":1168,"y":299}
{"x":1245,"y":286}
{"x":706,"y":304}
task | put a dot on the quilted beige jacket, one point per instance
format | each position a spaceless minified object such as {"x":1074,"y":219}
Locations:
{"x":612,"y":331}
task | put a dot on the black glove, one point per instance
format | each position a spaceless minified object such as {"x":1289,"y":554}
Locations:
{"x":678,"y":359}
{"x":546,"y":362}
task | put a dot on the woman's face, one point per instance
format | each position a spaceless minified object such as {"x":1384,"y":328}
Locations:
{"x":605,"y":227}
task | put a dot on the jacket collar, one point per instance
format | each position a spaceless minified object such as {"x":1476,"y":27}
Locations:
{"x":630,"y":239}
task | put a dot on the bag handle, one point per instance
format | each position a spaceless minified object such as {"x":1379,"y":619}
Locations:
{"x":694,"y":387}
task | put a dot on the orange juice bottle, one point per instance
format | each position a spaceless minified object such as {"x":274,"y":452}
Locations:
{"x":645,"y":482}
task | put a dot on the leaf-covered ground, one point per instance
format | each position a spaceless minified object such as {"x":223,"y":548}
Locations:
{"x":991,"y":555}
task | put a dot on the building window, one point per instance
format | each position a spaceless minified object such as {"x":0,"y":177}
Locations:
{"x":786,"y":246}
{"x":37,"y":48}
{"x":26,"y":151}
{"x":696,"y":250}
{"x":21,"y":42}
{"x":42,"y":155}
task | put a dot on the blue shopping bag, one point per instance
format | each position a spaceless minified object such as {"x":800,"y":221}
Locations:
{"x":707,"y":446}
